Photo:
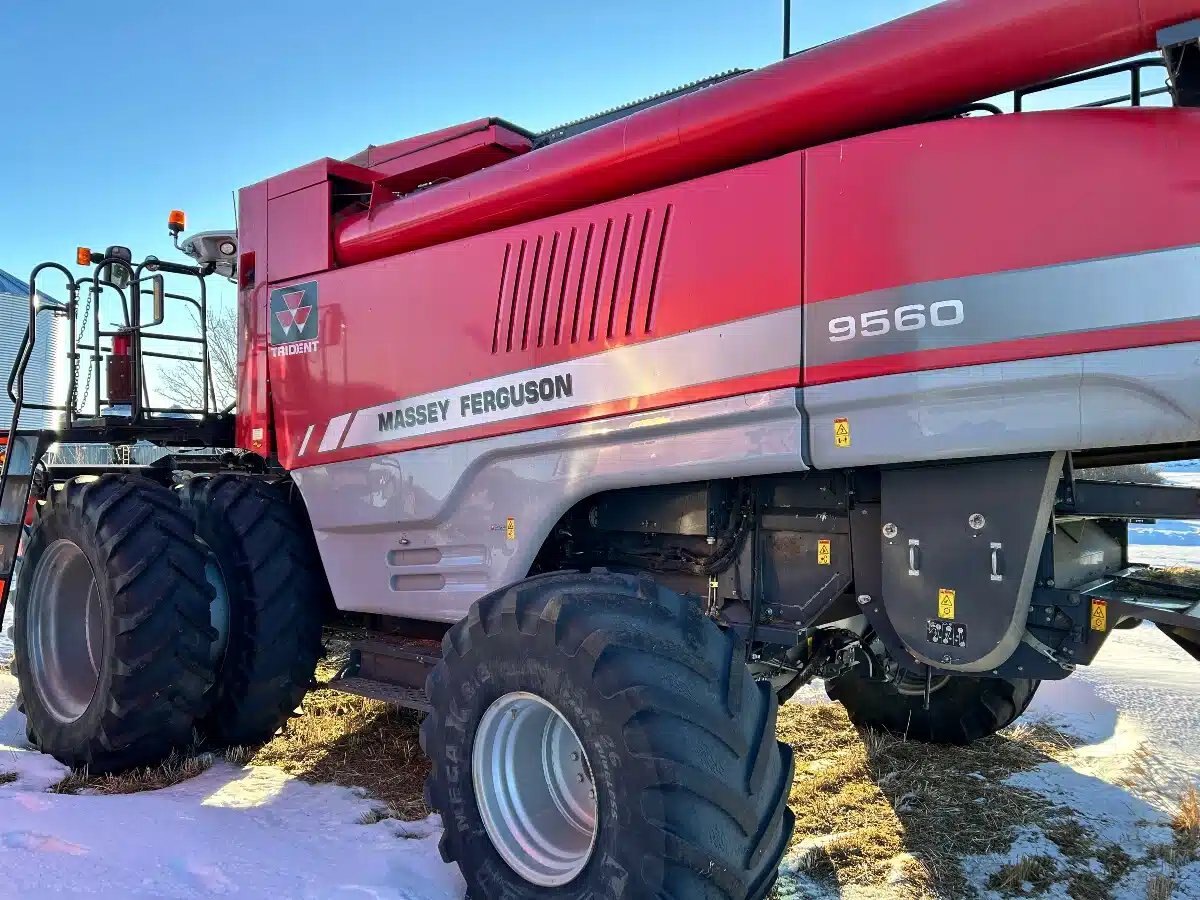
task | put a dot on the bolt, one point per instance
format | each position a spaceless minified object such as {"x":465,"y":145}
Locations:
{"x":1049,"y":582}
{"x":976,"y":521}
{"x":592,"y":794}
{"x":710,"y":540}
{"x":947,"y":658}
{"x":890,"y":530}
{"x":574,"y":756}
{"x":864,"y":599}
{"x":770,"y":612}
{"x":580,"y":777}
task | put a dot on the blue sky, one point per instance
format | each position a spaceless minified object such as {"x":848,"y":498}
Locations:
{"x":113,"y":115}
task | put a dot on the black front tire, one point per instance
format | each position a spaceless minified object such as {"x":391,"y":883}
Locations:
{"x":276,"y":594}
{"x":153,"y":634}
{"x":961,"y":710}
{"x":691,"y":784}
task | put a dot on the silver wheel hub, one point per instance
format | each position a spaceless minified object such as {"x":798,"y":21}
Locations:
{"x":534,"y":788}
{"x":66,"y":627}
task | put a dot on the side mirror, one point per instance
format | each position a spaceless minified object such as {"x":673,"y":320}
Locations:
{"x":159,"y":299}
{"x":117,"y":274}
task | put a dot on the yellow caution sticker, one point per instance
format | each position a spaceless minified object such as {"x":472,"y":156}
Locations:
{"x":945,"y":603}
{"x":1099,"y":615}
{"x":824,"y":553}
{"x":841,"y":432}
{"x":510,"y":529}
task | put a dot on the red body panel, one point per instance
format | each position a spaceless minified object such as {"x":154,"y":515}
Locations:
{"x":450,"y":153}
{"x":960,"y":198}
{"x":925,"y":63}
{"x":253,"y":426}
{"x":926,"y":203}
{"x":705,"y":211}
{"x":956,"y":198}
{"x":725,"y":247}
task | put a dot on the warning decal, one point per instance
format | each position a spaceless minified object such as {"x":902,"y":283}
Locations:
{"x":510,"y":529}
{"x":841,"y":432}
{"x":823,"y":552}
{"x":945,"y":603}
{"x":1099,"y":615}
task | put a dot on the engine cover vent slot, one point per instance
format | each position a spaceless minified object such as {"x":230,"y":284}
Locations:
{"x":595,"y":281}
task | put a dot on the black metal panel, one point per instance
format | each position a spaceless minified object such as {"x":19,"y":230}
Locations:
{"x":803,"y":573}
{"x":961,"y":544}
{"x":1116,"y":500}
{"x":867,"y":556}
{"x":671,"y":509}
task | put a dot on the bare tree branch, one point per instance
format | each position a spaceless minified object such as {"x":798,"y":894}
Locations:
{"x":182,"y":383}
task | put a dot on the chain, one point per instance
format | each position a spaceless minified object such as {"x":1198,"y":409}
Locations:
{"x":79,"y":357}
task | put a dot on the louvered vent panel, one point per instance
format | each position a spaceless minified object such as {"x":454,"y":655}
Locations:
{"x":591,"y":282}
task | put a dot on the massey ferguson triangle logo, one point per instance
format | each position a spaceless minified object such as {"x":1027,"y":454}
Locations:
{"x":294,"y":314}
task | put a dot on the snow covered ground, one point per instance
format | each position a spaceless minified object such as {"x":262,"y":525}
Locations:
{"x":252,"y":832}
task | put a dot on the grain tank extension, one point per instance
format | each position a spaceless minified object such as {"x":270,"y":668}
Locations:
{"x":615,"y":436}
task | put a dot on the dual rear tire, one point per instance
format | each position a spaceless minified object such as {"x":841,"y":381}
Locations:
{"x":139,"y":619}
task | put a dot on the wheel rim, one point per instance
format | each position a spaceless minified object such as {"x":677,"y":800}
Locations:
{"x":66,"y":631}
{"x":534,"y":787}
{"x":218,"y":611}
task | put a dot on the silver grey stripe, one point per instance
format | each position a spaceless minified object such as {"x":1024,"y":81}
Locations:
{"x":746,"y":347}
{"x":1160,"y":286}
{"x":304,"y":443}
{"x":334,"y":432}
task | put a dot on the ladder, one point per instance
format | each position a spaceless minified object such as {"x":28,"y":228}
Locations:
{"x":23,"y":452}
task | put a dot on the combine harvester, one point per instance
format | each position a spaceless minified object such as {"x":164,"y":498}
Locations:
{"x":616,"y":436}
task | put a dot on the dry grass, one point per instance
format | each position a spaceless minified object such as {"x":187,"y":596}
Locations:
{"x":1183,"y":576}
{"x":1187,"y":823}
{"x":352,"y":741}
{"x":8,"y":777}
{"x":883,"y":798}
{"x":1160,"y":886}
{"x":1029,"y":875}
{"x":865,"y":803}
{"x":175,"y":769}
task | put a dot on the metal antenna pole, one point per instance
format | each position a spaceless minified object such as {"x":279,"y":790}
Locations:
{"x":787,"y":28}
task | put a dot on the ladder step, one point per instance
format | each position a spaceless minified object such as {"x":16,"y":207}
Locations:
{"x":407,"y":697}
{"x":390,"y":668}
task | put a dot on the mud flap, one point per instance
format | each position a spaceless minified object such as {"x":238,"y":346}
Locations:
{"x":961,"y":545}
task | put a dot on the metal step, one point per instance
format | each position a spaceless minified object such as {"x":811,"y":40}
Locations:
{"x":390,"y":668}
{"x":410,"y":698}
